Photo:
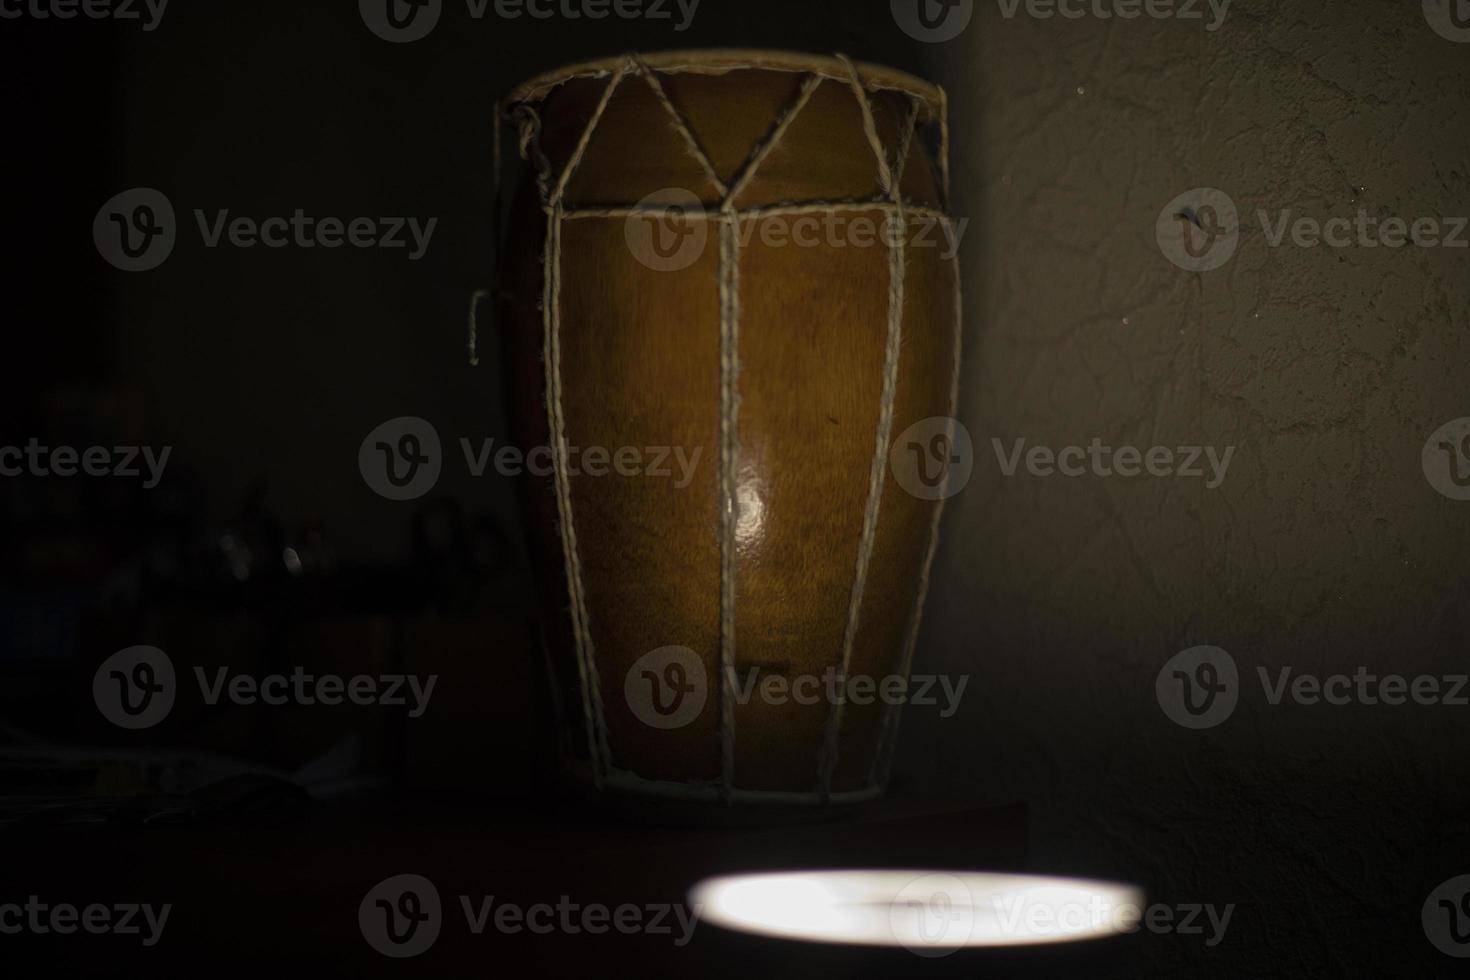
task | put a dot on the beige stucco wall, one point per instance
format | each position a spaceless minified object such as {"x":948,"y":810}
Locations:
{"x":1324,"y":548}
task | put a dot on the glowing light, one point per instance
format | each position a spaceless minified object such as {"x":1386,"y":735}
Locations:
{"x":932,"y":912}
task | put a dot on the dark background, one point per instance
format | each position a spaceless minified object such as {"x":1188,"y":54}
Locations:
{"x":1326,"y":549}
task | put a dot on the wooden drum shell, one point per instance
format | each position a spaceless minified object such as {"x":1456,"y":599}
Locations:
{"x":755,"y":562}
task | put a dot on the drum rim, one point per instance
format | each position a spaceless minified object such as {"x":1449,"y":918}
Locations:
{"x":718,"y":61}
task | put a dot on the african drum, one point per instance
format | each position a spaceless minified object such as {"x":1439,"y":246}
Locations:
{"x":728,"y":285}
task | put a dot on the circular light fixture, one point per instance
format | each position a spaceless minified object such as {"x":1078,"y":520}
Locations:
{"x":929,"y":912}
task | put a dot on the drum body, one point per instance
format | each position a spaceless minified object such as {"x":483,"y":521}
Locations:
{"x":728,"y":287}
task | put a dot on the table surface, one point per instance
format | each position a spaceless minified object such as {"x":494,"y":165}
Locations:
{"x":283,"y":886}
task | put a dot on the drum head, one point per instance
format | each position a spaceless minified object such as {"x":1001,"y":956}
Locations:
{"x":718,"y":61}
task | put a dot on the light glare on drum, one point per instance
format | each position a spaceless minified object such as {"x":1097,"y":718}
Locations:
{"x":750,"y":514}
{"x":924,"y":911}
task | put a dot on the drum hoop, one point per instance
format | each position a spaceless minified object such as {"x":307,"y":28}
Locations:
{"x":720,"y":61}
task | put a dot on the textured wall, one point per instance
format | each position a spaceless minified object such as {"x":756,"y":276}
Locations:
{"x":1324,"y":548}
